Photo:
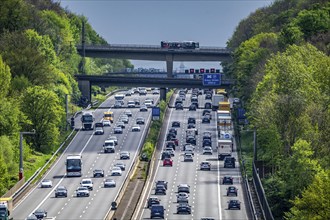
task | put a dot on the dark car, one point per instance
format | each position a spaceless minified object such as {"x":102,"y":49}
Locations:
{"x":205,"y":111}
{"x":40,"y":213}
{"x":228,"y":180}
{"x":98,"y":173}
{"x":140,"y":121}
{"x":191,"y":139}
{"x":173,"y":130}
{"x":165,"y":154}
{"x":61,"y":191}
{"x":161,"y":183}
{"x":160,"y":189}
{"x":208,"y":105}
{"x":175,"y":140}
{"x":157,"y":211}
{"x":232,"y":190}
{"x":234,"y":204}
{"x":192,"y":107}
{"x":207,"y":135}
{"x":178,"y":106}
{"x":208,"y":96}
{"x":170,"y":144}
{"x":175,"y":124}
{"x":191,"y":125}
{"x":229,"y":162}
{"x":206,"y":119}
{"x":191,"y":120}
{"x":183,"y":208}
{"x":153,"y":201}
{"x":207,"y":142}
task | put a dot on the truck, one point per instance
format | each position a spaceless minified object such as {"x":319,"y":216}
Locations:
{"x":108,"y":116}
{"x":224,"y":148}
{"x":224,"y":106}
{"x":87,"y":120}
{"x":6,"y":207}
{"x":215,"y":101}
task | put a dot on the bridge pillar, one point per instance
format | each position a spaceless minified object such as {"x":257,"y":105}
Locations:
{"x":85,"y":88}
{"x":163,"y":94}
{"x":169,"y":65}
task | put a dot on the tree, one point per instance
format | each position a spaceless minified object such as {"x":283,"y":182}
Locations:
{"x":43,"y":109}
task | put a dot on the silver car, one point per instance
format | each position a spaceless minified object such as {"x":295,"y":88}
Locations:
{"x":109,"y":183}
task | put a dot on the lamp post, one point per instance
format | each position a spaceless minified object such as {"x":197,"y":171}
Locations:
{"x":20,"y":174}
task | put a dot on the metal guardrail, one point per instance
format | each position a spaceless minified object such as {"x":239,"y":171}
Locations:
{"x":267,"y":213}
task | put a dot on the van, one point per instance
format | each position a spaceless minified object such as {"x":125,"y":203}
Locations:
{"x":157,"y":211}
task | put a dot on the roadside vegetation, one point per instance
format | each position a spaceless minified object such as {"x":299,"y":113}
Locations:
{"x":38,"y":61}
{"x":281,"y":66}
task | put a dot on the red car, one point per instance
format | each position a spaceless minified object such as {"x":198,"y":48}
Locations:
{"x":167,"y":162}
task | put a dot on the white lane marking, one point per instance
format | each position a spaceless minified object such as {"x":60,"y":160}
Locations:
{"x":219,"y":177}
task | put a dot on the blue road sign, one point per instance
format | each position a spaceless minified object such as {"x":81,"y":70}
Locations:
{"x":212,"y":79}
{"x":156,"y":111}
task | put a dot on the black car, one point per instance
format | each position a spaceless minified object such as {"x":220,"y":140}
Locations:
{"x":229,"y":162}
{"x":183,"y":208}
{"x":191,"y":125}
{"x":160,"y":189}
{"x":175,"y":124}
{"x":161,"y":183}
{"x":228,"y":180}
{"x":191,"y":140}
{"x":207,"y":142}
{"x":208,"y":105}
{"x":207,"y":135}
{"x":157,"y":211}
{"x":191,"y":120}
{"x":153,"y":201}
{"x":234,"y":204}
{"x":173,"y":130}
{"x":40,"y":213}
{"x":192,"y":107}
{"x":165,"y":154}
{"x":169,"y":136}
{"x":170,"y":144}
{"x":205,"y":111}
{"x":61,"y":191}
{"x":206,"y":119}
{"x":178,"y":106}
{"x":232,"y":190}
{"x":98,"y":173}
{"x":208,"y":96}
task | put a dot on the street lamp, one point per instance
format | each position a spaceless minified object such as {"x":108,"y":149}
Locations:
{"x":20,"y":174}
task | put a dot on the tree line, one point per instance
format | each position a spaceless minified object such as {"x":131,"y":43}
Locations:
{"x":281,"y":65}
{"x":38,"y":60}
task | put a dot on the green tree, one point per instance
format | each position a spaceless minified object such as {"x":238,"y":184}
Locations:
{"x":43,"y":109}
{"x":5,"y":77}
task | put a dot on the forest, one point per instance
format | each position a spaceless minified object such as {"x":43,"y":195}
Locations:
{"x":282,"y":68}
{"x":38,"y":61}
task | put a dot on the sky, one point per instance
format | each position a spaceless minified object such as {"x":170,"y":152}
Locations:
{"x":148,"y":22}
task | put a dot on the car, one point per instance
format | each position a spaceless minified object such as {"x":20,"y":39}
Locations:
{"x":140,"y":121}
{"x":148,"y":103}
{"x":99,"y":131}
{"x":175,"y":140}
{"x":106,"y":123}
{"x":128,"y":93}
{"x":205,"y":165}
{"x":160,"y":189}
{"x":192,"y":107}
{"x":195,"y":103}
{"x":175,"y":124}
{"x":153,"y":201}
{"x":131,"y":104}
{"x":232,"y":190}
{"x":170,"y":151}
{"x":61,"y":191}
{"x":173,"y":130}
{"x":208,"y":115}
{"x":178,"y":106}
{"x":117,"y":105}
{"x":191,"y":120}
{"x":229,"y":162}
{"x":183,"y":208}
{"x":170,"y":144}
{"x":228,"y":180}
{"x":98,"y":124}
{"x":124,"y":155}
{"x":121,"y":124}
{"x":191,"y":139}
{"x":191,"y":125}
{"x":207,"y":143}
{"x":208,"y":96}
{"x":118,"y":130}
{"x":165,"y":154}
{"x":206,"y":119}
{"x":182,"y":197}
{"x":207,"y":135}
{"x":167,"y":162}
{"x":137,"y":101}
{"x":155,"y":92}
{"x":31,"y":217}
{"x":170,"y":136}
{"x":183,"y":188}
{"x":87,"y":183}
{"x":123,"y":118}
{"x":40,"y":213}
{"x":136,"y":128}
{"x":121,"y":165}
{"x":188,"y":157}
{"x":143,"y":108}
{"x":208,"y":105}
{"x":109,"y":183}
{"x":205,"y":111}
{"x":113,"y":138}
{"x":116,"y":171}
{"x":46,"y":183}
{"x":82,"y":191}
{"x":162,"y":182}
{"x":128,"y":113}
{"x":98,"y":173}
{"x":194,"y":98}
{"x":157,"y":211}
{"x":207,"y":150}
{"x":234,"y":204}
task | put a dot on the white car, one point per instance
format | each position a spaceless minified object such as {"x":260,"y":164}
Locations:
{"x":124,"y":155}
{"x":82,"y":191}
{"x":87,"y":183}
{"x":46,"y":183}
{"x":106,"y":123}
{"x":128,"y":113}
{"x":116,"y":171}
{"x":182,"y":197}
{"x":114,"y":138}
{"x":109,"y":183}
{"x":207,"y":150}
{"x":205,"y":165}
{"x":136,"y":128}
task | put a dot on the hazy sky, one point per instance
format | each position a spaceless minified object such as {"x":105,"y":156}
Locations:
{"x":209,"y":22}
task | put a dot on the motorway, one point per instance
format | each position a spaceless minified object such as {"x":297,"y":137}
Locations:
{"x":89,"y":146}
{"x":207,"y":194}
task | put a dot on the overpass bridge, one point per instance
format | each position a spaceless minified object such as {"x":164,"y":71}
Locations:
{"x":85,"y":83}
{"x":155,"y":53}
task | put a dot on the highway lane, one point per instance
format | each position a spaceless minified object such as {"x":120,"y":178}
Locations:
{"x":208,"y":195}
{"x":90,"y":147}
